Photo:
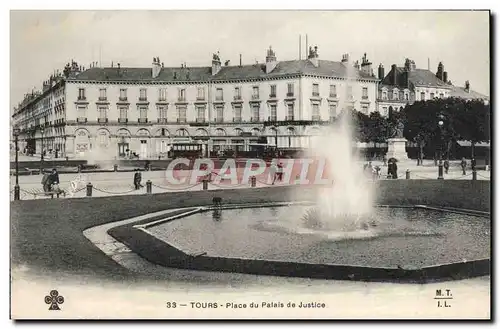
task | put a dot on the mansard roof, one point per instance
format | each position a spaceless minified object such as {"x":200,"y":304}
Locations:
{"x":256,"y":71}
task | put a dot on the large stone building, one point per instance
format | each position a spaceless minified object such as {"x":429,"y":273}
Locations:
{"x":109,"y":110}
{"x":407,"y":84}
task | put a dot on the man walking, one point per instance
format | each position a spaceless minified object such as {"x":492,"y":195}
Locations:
{"x":446,"y":166}
{"x":137,"y":179}
{"x":463,"y":164}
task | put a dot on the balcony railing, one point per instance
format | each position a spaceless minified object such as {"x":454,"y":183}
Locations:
{"x":272,"y":118}
{"x":122,"y":120}
{"x":102,"y":120}
{"x":272,"y":95}
{"x":333,"y":95}
{"x":102,"y":99}
{"x":219,"y":120}
{"x":82,"y":98}
{"x":289,"y":118}
{"x":143,"y":99}
{"x":237,"y":97}
{"x":200,"y":98}
{"x":315,"y":94}
{"x":81,"y":120}
{"x":364,"y":97}
{"x":237,"y":119}
{"x":122,"y":99}
{"x":254,"y":119}
{"x":143,"y":120}
{"x":200,"y":119}
{"x":181,"y":120}
{"x":289,"y":94}
{"x":219,"y":98}
{"x":162,"y":120}
{"x":316,"y":117}
{"x":255,"y":96}
{"x":181,"y":99}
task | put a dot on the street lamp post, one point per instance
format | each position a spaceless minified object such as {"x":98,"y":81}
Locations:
{"x":440,"y":168}
{"x":16,"y":187}
{"x":41,"y":151}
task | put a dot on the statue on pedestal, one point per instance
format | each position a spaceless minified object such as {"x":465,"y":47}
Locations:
{"x":398,"y":130}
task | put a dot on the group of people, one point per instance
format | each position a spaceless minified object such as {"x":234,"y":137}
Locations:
{"x":50,"y":181}
{"x":276,"y":171}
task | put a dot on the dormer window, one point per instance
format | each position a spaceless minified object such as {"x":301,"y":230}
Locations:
{"x":384,"y":95}
{"x":395,"y":94}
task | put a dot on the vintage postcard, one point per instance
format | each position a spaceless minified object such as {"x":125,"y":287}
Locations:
{"x":250,"y":164}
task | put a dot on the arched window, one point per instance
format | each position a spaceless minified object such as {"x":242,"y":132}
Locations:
{"x":255,"y":132}
{"x":181,"y":133}
{"x":237,"y":131}
{"x":290,"y":131}
{"x":220,"y":132}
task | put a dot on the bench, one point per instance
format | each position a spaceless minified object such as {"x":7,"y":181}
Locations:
{"x":50,"y":193}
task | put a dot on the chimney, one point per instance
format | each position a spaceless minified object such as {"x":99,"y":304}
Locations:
{"x":345,"y":58}
{"x":240,"y":61}
{"x":467,"y":86}
{"x":216,"y":64}
{"x":271,"y":61}
{"x":118,"y":65}
{"x":111,"y":63}
{"x":381,"y":72}
{"x":156,"y":67}
{"x":313,"y":56}
{"x":440,"y":71}
{"x":394,"y":73}
{"x":445,"y":77}
{"x":366,"y":66}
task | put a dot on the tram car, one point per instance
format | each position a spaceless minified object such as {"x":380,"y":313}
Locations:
{"x":185,"y":150}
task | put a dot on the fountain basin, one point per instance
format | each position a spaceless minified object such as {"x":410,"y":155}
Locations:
{"x":408,"y":243}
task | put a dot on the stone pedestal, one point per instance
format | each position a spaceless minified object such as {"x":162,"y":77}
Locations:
{"x":397,"y":149}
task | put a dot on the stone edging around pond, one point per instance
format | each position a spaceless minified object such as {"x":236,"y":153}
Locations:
{"x":135,"y":236}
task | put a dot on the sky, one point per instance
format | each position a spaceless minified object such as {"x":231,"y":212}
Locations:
{"x":43,"y":41}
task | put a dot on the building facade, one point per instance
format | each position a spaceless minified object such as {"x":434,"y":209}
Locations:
{"x":107,"y":111}
{"x":408,"y":84}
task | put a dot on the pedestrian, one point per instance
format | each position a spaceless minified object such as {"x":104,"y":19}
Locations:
{"x":136,"y":179}
{"x":394,"y":170}
{"x":446,"y":166}
{"x":57,"y":153}
{"x":384,"y":159}
{"x":54,"y":181}
{"x":46,"y":182}
{"x":280,"y":172}
{"x":273,"y":172}
{"x":463,"y":164}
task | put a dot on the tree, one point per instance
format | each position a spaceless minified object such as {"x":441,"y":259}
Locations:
{"x":473,"y":122}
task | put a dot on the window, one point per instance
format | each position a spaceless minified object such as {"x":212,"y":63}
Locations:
{"x":315,"y":91}
{"x":181,"y":114}
{"x":406,"y":96}
{"x":237,"y":93}
{"x":201,"y":114}
{"x":219,"y":94}
{"x":349,"y":92}
{"x":237,"y":113}
{"x":395,"y":94}
{"x":142,"y":94}
{"x":143,"y":112}
{"x":123,"y":113}
{"x":102,"y":93}
{"x":274,"y":116}
{"x":102,"y":138}
{"x":333,"y":111}
{"x":162,"y":94}
{"x":81,"y":93}
{"x":333,"y":91}
{"x":201,"y":93}
{"x":289,"y":89}
{"x":182,"y":95}
{"x":102,"y":112}
{"x":255,"y":92}
{"x":219,"y":114}
{"x":123,"y":94}
{"x":365,"y":93}
{"x":273,"y":91}
{"x":384,"y":95}
{"x":290,"y":112}
{"x":422,"y":96}
{"x":81,"y":113}
{"x":255,"y":113}
{"x":315,"y":112}
{"x":432,"y":95}
{"x":162,"y":112}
